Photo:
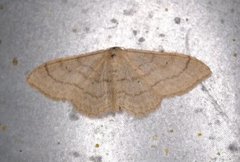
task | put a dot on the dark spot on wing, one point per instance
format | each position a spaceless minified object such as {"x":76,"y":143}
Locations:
{"x":113,"y":55}
{"x":120,"y":108}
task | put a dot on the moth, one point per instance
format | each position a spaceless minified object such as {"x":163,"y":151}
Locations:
{"x":117,"y":79}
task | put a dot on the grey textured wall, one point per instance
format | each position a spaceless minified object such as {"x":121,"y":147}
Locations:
{"x":200,"y":126}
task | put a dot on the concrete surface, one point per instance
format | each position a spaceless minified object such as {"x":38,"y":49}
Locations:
{"x":201,"y":126}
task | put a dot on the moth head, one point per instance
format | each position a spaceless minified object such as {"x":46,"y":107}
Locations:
{"x":114,"y":51}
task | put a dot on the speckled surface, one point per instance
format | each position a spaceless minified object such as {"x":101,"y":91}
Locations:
{"x":202,"y":125}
